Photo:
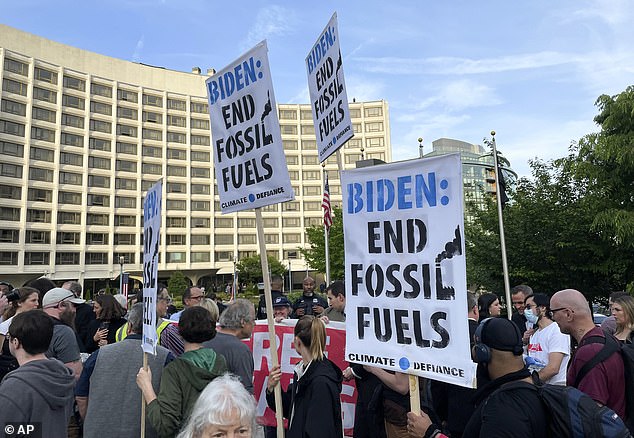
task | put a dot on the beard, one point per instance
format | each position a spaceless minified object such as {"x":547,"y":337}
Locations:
{"x":68,"y":318}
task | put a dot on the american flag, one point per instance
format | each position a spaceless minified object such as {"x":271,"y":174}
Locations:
{"x":325,"y":203}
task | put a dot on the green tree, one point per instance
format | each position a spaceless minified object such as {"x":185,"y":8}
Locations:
{"x":315,"y":255}
{"x":250,"y":269}
{"x":177,"y":284}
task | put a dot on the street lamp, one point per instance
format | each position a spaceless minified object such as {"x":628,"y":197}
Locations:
{"x":420,"y":147}
{"x":121,"y":262}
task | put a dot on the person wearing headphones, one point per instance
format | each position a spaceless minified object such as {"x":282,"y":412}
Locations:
{"x":516,"y":412}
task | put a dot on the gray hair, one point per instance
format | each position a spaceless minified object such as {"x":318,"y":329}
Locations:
{"x":135,"y":319}
{"x":525,"y":290}
{"x":74,"y":287}
{"x":237,"y":312}
{"x":216,"y":405}
{"x":472,"y":301}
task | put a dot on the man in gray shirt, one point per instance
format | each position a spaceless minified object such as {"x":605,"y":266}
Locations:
{"x":236,"y":323}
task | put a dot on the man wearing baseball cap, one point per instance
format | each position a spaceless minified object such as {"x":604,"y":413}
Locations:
{"x":516,"y":412}
{"x":59,"y":304}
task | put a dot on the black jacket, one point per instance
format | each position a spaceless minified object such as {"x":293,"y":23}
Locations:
{"x":314,"y":401}
{"x":516,"y":413}
{"x":261,"y":310}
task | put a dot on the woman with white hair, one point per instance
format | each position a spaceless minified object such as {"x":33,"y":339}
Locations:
{"x":224,"y":409}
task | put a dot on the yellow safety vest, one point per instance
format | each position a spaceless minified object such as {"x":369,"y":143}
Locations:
{"x":123,"y":331}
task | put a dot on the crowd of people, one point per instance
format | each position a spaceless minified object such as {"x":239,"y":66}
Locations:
{"x":78,"y":368}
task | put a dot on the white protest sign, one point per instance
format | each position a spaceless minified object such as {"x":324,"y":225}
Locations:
{"x":328,"y":96}
{"x":151,"y":233}
{"x":249,"y":158}
{"x":406,"y":303}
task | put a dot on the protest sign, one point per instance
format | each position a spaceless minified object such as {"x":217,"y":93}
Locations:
{"x":151,"y":233}
{"x":288,"y":358}
{"x":405,"y":268}
{"x":249,"y":158}
{"x":328,"y":95}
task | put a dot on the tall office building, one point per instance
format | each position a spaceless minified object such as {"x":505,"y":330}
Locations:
{"x":83,"y":136}
{"x":478,"y":175}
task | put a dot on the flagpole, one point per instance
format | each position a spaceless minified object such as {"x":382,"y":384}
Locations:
{"x":505,"y":268}
{"x":326,"y":240}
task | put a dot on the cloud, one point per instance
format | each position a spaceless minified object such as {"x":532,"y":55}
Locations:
{"x":136,"y":56}
{"x":464,"y":66}
{"x":364,"y":89}
{"x":270,"y":21}
{"x":612,"y":12}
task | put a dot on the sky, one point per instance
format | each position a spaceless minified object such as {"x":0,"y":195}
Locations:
{"x":530,"y":70}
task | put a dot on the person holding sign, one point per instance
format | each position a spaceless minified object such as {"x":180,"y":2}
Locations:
{"x":185,"y":378}
{"x":312,"y":402}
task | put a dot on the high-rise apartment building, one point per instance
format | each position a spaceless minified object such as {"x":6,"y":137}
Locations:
{"x":83,"y":136}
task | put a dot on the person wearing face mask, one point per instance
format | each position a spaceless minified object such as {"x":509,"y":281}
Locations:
{"x":548,"y":349}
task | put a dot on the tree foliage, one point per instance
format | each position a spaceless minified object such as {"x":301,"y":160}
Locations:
{"x":177,"y":284}
{"x":572,"y":224}
{"x":250,"y":269}
{"x":315,"y":255}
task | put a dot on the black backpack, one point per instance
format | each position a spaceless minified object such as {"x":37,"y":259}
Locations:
{"x":572,"y":414}
{"x":612,"y":345}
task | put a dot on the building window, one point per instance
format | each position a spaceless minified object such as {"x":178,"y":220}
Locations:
{"x":311,"y":175}
{"x":200,"y":205}
{"x":355,"y":113}
{"x":199,"y":172}
{"x":290,"y":206}
{"x":126,"y":166}
{"x":128,"y":96}
{"x":126,"y":130}
{"x":374,"y":112}
{"x":43,"y":114}
{"x":151,"y":100}
{"x":200,"y":156}
{"x":200,"y":140}
{"x":291,"y":222}
{"x":153,"y":169}
{"x":176,"y":204}
{"x":101,"y":108}
{"x":73,"y":102}
{"x":99,"y":200}
{"x":17,"y":108}
{"x":72,"y":159}
{"x":124,"y":239}
{"x":199,"y":189}
{"x":38,"y":216}
{"x":40,"y":195}
{"x":128,"y":257}
{"x":10,"y":192}
{"x":99,"y":181}
{"x":200,"y":257}
{"x":66,"y":258}
{"x":289,"y":145}
{"x":96,"y":239}
{"x":100,"y":126}
{"x":36,"y":258}
{"x":146,"y":185}
{"x":99,"y":144}
{"x":126,"y":148}
{"x":200,"y":222}
{"x":269,"y":222}
{"x":223,"y":222}
{"x":11,"y":236}
{"x":271,"y":238}
{"x":70,"y":178}
{"x":99,"y":163}
{"x":246,"y":222}
{"x":124,"y":202}
{"x":9,"y":214}
{"x":309,"y":160}
{"x":374,"y":142}
{"x":152,"y":134}
{"x":293,"y":175}
{"x":176,"y":171}
{"x":41,"y":154}
{"x":306,"y":115}
{"x":223,"y":256}
{"x":12,"y":170}
{"x":69,"y":198}
{"x":176,"y":121}
{"x":97,"y":219}
{"x":127,"y":113}
{"x":291,"y":238}
{"x":288,"y":114}
{"x":374,"y":127}
{"x":176,"y":222}
{"x":176,"y":137}
{"x":292,"y":160}
{"x":200,"y":123}
{"x":14,"y":87}
{"x":311,"y":190}
{"x":175,"y":104}
{"x":176,"y":188}
{"x":101,"y":90}
{"x":308,"y":130}
{"x":42,"y":134}
{"x":12,"y":128}
{"x":152,"y":151}
{"x":69,"y":120}
{"x":198,"y":107}
{"x":124,"y":221}
{"x":223,"y":239}
{"x":74,"y":83}
{"x":152,"y":117}
{"x":312,"y":205}
{"x":67,"y":238}
{"x":96,"y":258}
{"x":176,"y":239}
{"x":309,"y":145}
{"x":200,"y":239}
{"x":289,"y":129}
{"x":68,"y":218}
{"x":176,"y":154}
{"x":176,"y":257}
{"x":44,"y":75}
{"x":13,"y":149}
{"x":38,"y":174}
{"x":356,"y":128}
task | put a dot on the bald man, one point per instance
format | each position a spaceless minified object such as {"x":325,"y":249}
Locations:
{"x":604,"y":382}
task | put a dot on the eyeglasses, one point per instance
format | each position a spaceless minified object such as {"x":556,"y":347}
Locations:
{"x":166,"y":299}
{"x":198,"y":298}
{"x":560,"y":308}
{"x":531,"y":306}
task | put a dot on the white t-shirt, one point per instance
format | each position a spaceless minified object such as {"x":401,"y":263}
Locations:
{"x":4,"y":326}
{"x":551,"y":340}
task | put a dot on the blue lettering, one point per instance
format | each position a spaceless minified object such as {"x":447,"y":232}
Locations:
{"x":385,"y":194}
{"x":428,"y":189}
{"x":355,"y":202}
{"x":225,"y":85}
{"x":249,"y":71}
{"x":369,"y":188}
{"x":404,"y":190}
